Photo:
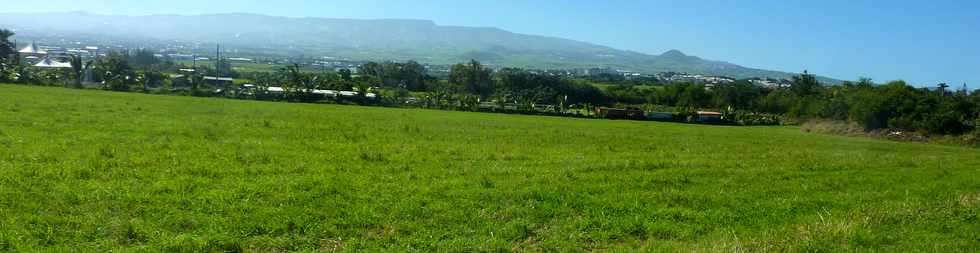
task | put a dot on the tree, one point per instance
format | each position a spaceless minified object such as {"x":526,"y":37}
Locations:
{"x":740,"y":94}
{"x":941,"y":88}
{"x":78,"y":69}
{"x":694,"y":96}
{"x":150,"y":78}
{"x":805,"y":84}
{"x":409,"y":75}
{"x":297,"y":84}
{"x":371,"y":69}
{"x":115,"y":72}
{"x":362,"y":85}
{"x":346,"y":75}
{"x":6,"y":47}
{"x":142,"y":58}
{"x":865,"y":82}
{"x":7,"y":51}
{"x":413,"y":76}
{"x":473,"y":78}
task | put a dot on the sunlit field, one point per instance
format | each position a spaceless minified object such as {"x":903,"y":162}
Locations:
{"x":84,"y":170}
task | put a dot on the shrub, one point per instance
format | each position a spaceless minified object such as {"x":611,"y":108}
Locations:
{"x":754,"y":119}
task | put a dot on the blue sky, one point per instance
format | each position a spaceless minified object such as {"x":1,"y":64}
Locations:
{"x":923,"y":42}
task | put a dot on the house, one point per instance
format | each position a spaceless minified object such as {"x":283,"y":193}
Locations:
{"x":241,"y":59}
{"x":179,"y":82}
{"x":32,"y":53}
{"x":660,"y":115}
{"x":47,"y":62}
{"x":616,"y":113}
{"x":275,"y":90}
{"x":181,"y":57}
{"x":354,"y":94}
{"x":326,"y":93}
{"x":32,"y":50}
{"x":219,"y":81}
{"x":709,"y":117}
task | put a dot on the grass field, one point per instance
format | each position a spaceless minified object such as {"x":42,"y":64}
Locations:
{"x":84,"y":170}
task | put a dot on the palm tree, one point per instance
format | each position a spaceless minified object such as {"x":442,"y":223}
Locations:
{"x":362,"y":88}
{"x":294,"y":81}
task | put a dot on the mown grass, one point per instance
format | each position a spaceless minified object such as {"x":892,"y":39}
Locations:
{"x":84,"y":170}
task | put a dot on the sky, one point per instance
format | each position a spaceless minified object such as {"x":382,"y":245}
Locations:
{"x":922,"y":42}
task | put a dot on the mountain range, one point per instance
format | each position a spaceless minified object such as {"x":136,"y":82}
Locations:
{"x":357,"y":39}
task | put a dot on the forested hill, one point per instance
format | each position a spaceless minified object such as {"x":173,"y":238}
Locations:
{"x":420,"y":40}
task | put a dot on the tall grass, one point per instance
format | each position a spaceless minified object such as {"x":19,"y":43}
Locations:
{"x":96,"y":171}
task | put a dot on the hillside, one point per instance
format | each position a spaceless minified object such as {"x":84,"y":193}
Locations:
{"x":418,"y":40}
{"x":87,"y":170}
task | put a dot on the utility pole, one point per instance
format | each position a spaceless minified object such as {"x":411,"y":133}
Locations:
{"x":16,"y":53}
{"x":217,"y":62}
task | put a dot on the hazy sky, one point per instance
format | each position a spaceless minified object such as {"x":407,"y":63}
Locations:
{"x":924,"y":42}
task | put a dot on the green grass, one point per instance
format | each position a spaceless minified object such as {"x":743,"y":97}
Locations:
{"x":94,"y":171}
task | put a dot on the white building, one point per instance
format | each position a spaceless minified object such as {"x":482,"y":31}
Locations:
{"x":50,"y":63}
{"x":32,"y":49}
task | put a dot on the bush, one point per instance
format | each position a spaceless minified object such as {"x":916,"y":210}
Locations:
{"x":755,"y":119}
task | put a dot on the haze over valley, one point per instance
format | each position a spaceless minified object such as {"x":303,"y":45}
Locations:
{"x":355,"y":39}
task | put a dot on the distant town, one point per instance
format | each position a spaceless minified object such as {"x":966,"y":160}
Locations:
{"x":53,"y":51}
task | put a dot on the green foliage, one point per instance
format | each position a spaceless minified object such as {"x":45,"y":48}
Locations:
{"x":8,"y":53}
{"x":754,"y":119}
{"x":739,"y":95}
{"x":805,"y":85}
{"x":409,"y":75}
{"x":346,"y":75}
{"x":300,"y":86}
{"x":7,"y":48}
{"x":78,"y":68}
{"x":694,"y":96}
{"x":142,"y":58}
{"x":362,"y":85}
{"x":895,"y":105}
{"x":115,"y":72}
{"x":150,"y":79}
{"x":526,"y":89}
{"x":628,"y":94}
{"x":472,"y":78}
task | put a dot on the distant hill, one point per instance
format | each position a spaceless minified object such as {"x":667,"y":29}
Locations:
{"x":384,"y":39}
